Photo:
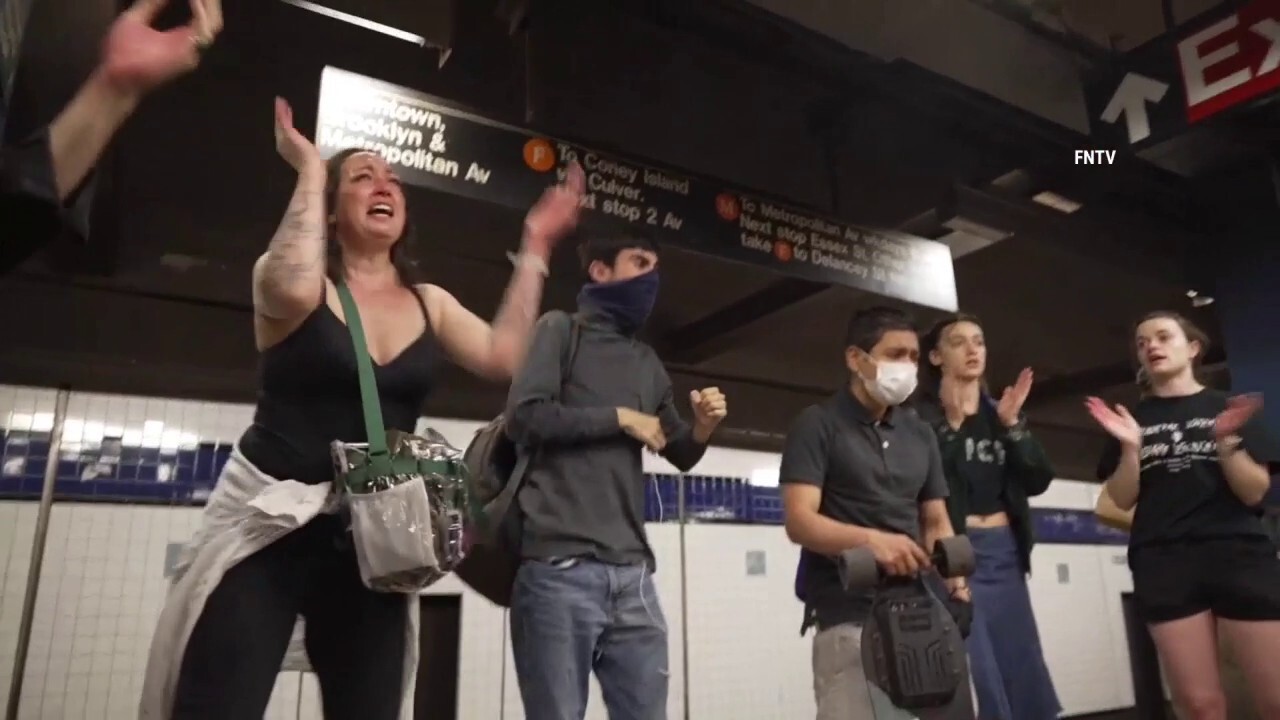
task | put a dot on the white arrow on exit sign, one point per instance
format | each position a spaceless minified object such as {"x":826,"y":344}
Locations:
{"x":1130,"y":100}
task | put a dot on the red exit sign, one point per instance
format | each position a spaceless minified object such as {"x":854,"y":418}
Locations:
{"x":1232,"y":60}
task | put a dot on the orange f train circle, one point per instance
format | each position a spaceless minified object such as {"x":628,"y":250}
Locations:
{"x":539,"y":155}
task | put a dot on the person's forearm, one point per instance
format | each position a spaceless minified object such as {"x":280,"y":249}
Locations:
{"x":1248,"y":479}
{"x":820,"y":534}
{"x":934,"y":529}
{"x":545,"y":421}
{"x":701,"y":434}
{"x":1029,"y":462}
{"x":1113,"y":517}
{"x":81,"y":132}
{"x":1122,"y":486}
{"x":513,"y":323}
{"x":686,"y":449}
{"x":293,"y":267}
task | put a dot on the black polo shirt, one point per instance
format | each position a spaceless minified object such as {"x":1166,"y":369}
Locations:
{"x":873,"y":473}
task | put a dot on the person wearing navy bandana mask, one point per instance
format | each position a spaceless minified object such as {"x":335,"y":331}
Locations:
{"x":627,"y":301}
{"x":590,"y":400}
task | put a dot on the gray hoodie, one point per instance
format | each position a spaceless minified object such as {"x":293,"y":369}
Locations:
{"x":585,"y":490}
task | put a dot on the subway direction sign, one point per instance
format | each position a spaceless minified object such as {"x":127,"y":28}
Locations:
{"x":437,"y":146}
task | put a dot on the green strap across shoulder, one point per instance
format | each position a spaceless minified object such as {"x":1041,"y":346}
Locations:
{"x":379,"y":456}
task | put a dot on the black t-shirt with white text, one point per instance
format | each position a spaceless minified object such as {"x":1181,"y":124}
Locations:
{"x":982,"y":466}
{"x":1182,"y":491}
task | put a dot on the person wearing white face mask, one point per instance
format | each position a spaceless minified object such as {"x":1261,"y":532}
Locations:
{"x":858,"y":471}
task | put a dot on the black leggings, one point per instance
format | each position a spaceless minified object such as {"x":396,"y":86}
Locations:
{"x":355,"y":637}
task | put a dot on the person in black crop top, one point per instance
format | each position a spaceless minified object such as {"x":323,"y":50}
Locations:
{"x":1195,"y":464}
{"x":347,"y":222}
{"x":993,"y":465}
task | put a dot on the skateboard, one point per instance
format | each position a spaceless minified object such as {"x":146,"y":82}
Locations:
{"x":913,"y":654}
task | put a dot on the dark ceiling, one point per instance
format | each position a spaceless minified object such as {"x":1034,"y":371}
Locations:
{"x":158,"y":303}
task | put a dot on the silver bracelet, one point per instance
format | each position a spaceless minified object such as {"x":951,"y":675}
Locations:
{"x":525,"y":259}
{"x":1018,"y":431}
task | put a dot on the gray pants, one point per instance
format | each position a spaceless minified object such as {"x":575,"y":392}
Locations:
{"x":840,"y":686}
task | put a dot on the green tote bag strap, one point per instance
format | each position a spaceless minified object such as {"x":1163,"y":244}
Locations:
{"x":379,"y":456}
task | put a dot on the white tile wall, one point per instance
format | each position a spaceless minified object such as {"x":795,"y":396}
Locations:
{"x":480,"y":653}
{"x":17,"y":529}
{"x":1116,"y":579}
{"x":21,"y":408}
{"x":101,"y":590}
{"x":747,"y":660}
{"x":26,"y":408}
{"x":1080,"y":621}
{"x":102,"y":587}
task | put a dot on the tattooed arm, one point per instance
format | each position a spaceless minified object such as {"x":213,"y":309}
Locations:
{"x":496,"y":351}
{"x":288,"y":279}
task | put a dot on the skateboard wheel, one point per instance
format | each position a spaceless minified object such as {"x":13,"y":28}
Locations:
{"x":858,"y":570}
{"x":954,"y":557}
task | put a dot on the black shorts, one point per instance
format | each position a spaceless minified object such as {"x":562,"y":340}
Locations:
{"x":1235,"y":578}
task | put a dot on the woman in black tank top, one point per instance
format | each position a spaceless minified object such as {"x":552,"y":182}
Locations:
{"x":347,"y":222}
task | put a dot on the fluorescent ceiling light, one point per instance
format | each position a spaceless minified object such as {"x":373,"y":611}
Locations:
{"x":359,"y":22}
{"x":1057,"y":202}
{"x":963,"y":243}
{"x":1200,"y":301}
{"x":962,"y":224}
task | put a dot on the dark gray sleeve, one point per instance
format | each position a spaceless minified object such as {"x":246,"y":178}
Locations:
{"x":29,"y":207}
{"x":1109,"y":460}
{"x":935,"y":483}
{"x":681,"y":450}
{"x":805,"y":454}
{"x":535,"y":414}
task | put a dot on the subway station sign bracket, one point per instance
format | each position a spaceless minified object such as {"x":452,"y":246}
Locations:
{"x":437,"y":146}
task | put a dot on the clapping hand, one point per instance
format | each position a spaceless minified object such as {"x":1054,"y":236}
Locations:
{"x":1239,"y":410}
{"x":1009,"y":407}
{"x":556,"y":213}
{"x":293,"y":146}
{"x":137,"y":58}
{"x":1118,"y":423}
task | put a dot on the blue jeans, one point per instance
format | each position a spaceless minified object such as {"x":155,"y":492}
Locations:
{"x":574,"y":616}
